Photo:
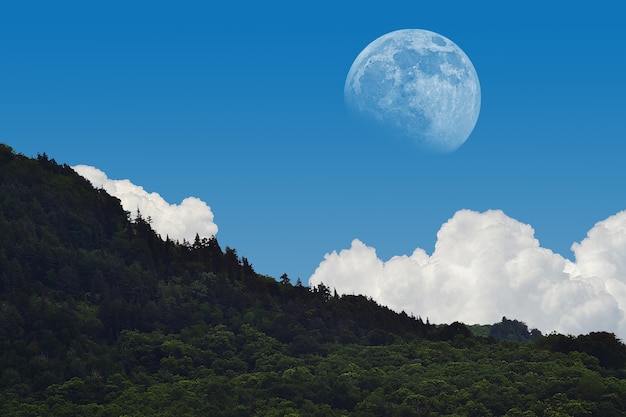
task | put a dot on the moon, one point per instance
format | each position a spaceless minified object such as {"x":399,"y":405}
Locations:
{"x":419,"y":85}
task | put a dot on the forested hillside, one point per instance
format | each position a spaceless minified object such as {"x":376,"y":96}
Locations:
{"x":100,"y":316}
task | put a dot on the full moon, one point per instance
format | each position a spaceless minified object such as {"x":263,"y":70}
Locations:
{"x":418,"y":84}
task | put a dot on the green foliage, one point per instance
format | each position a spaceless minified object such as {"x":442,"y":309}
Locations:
{"x":99,"y":316}
{"x":513,"y":330}
{"x":479,"y":330}
{"x":606,"y":347}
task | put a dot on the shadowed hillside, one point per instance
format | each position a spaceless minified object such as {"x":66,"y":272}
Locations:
{"x":99,"y":316}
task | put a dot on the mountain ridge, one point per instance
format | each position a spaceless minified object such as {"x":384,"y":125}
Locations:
{"x":98,"y":315}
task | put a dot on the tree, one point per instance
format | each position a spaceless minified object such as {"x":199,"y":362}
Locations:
{"x":322,"y":290}
{"x":514,"y":330}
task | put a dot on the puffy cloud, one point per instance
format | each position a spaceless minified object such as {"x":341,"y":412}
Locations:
{"x":179,"y":222}
{"x":488,"y":265}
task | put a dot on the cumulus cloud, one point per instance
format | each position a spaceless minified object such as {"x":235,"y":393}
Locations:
{"x":178,"y":221}
{"x":488,"y":265}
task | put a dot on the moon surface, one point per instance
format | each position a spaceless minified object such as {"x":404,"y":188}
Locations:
{"x":418,"y":84}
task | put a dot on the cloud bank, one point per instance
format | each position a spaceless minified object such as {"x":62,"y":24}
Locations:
{"x":488,"y":265}
{"x":179,"y":222}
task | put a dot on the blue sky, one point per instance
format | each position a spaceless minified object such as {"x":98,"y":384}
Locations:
{"x":241,"y":105}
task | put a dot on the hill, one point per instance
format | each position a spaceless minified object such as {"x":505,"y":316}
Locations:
{"x":99,"y":316}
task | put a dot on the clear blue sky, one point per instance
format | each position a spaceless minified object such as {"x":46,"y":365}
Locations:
{"x":241,"y":105}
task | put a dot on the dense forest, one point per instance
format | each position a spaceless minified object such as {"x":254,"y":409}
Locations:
{"x":101,"y":316}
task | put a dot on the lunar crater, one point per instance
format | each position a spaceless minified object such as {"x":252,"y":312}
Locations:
{"x":438,"y":40}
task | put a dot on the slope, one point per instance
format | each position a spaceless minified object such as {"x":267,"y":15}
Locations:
{"x":100,"y":316}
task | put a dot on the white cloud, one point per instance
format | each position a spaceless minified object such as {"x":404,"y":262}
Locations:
{"x":488,"y":265}
{"x":178,"y":221}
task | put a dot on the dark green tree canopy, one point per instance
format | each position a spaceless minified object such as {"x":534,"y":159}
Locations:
{"x":100,"y":316}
